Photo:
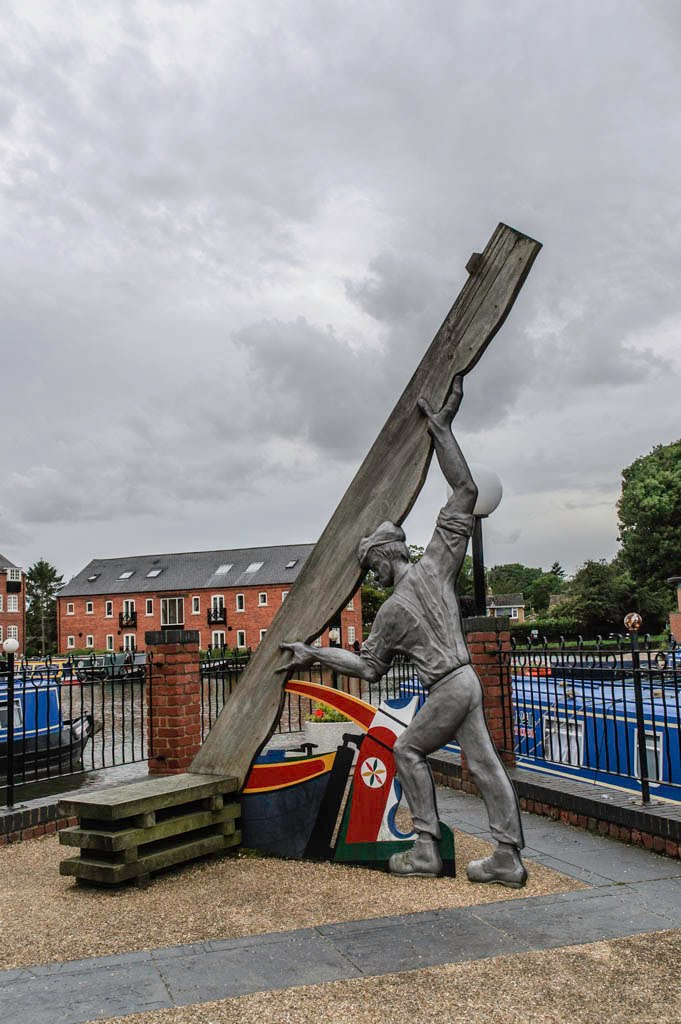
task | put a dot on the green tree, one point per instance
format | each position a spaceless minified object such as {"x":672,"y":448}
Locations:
{"x":512,"y":578}
{"x":43,"y":583}
{"x":600,"y":595}
{"x":649,"y":513}
{"x":557,"y":570}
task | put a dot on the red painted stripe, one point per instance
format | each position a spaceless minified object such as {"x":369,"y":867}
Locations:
{"x":356,"y":710}
{"x":284,"y":773}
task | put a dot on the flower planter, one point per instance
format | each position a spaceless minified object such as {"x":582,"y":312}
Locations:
{"x":327,"y":735}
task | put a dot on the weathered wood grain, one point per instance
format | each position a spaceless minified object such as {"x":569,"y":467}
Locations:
{"x":385,"y":487}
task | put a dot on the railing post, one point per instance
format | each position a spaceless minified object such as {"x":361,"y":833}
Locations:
{"x":174,"y":706}
{"x":633,"y":624}
{"x":10,"y":729}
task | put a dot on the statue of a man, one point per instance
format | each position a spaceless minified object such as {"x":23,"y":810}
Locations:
{"x":422,"y":620}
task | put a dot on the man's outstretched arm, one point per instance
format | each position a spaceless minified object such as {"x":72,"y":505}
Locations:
{"x":452,"y":463}
{"x":345,"y":662}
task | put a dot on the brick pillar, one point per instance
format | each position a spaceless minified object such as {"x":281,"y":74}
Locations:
{"x":486,"y":637}
{"x":173,"y":700}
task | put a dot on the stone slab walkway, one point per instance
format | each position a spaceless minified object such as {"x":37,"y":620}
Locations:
{"x":632,"y":891}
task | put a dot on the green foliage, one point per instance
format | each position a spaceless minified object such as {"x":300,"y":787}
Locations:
{"x":535,"y":585}
{"x":649,"y":513}
{"x":550,"y":628}
{"x":557,"y":570}
{"x":43,"y":583}
{"x":324,"y":714}
{"x":599,"y":597}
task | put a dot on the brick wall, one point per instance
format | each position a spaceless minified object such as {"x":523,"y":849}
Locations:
{"x":173,"y":701}
{"x":255,"y":617}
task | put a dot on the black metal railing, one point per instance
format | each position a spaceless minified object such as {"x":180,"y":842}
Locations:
{"x":128,"y":621}
{"x":221,"y":670}
{"x":216,"y":616}
{"x":605,"y":711}
{"x":71,"y":716}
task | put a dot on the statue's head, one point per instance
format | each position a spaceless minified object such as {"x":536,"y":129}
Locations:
{"x":382,"y":551}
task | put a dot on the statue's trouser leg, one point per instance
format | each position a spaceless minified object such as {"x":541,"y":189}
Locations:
{"x":454,"y":710}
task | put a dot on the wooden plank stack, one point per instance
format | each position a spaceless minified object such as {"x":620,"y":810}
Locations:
{"x":133,"y":831}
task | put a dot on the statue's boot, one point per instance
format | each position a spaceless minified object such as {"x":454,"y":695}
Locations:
{"x":504,"y":867}
{"x":422,"y":860}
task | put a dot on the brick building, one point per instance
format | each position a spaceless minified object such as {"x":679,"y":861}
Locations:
{"x":12,"y":602}
{"x":675,"y":617}
{"x":230,"y":597}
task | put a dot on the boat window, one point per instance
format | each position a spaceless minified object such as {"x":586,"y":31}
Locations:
{"x":18,"y":715}
{"x":653,"y":757}
{"x":563,"y":739}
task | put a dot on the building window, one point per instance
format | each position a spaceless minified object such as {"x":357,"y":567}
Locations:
{"x":241,"y":637}
{"x":262,"y":599}
{"x":89,"y":608}
{"x":12,"y":603}
{"x":129,"y":642}
{"x":218,"y":638}
{"x":150,"y":606}
{"x":351,"y":634}
{"x":217,"y":602}
{"x":196,"y":605}
{"x":128,"y":609}
{"x":108,"y":609}
{"x":254,"y":566}
{"x":222,"y":570}
{"x":153,"y":573}
{"x":262,"y":633}
{"x":1,"y":603}
{"x":240,"y":603}
{"x":284,"y":595}
{"x":291,"y":564}
{"x":0,"y":634}
{"x":172,"y":611}
{"x":514,"y":613}
{"x":14,"y":575}
{"x":350,"y":606}
{"x":89,"y":641}
{"x":12,"y":632}
{"x":109,"y":642}
{"x":317,"y":642}
{"x":71,"y":642}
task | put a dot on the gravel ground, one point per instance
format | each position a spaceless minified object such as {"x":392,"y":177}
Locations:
{"x":615,"y":982}
{"x":46,"y":917}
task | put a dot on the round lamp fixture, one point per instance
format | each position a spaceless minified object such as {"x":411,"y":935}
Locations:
{"x":10,"y":646}
{"x":490,"y":489}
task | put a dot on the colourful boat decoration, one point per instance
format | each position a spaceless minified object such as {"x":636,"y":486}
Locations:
{"x":292,"y":805}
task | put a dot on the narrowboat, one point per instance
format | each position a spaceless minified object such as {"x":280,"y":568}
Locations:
{"x":44,"y":743}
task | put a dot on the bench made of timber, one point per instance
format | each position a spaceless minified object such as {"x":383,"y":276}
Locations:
{"x":131,"y":831}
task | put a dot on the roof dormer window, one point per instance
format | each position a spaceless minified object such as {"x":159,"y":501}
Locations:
{"x":222,"y":570}
{"x":254,"y":566}
{"x":127,"y":574}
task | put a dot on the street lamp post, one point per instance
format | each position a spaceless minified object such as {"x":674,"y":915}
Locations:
{"x":490,"y":491}
{"x":10,"y":647}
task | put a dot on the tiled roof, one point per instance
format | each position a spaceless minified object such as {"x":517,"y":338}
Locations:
{"x":6,"y":564}
{"x":505,"y":601}
{"x":189,"y":570}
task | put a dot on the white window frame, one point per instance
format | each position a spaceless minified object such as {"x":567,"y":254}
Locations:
{"x":240,"y":599}
{"x":165,"y":606}
{"x":14,"y":575}
{"x":70,"y":642}
{"x":262,"y":634}
{"x":128,"y":607}
{"x":218,"y":638}
{"x":217,"y":602}
{"x":352,"y":634}
{"x":89,"y":607}
{"x":317,"y":642}
{"x":129,"y":642}
{"x":0,"y":634}
{"x":254,"y":567}
{"x":12,"y":632}
{"x":12,"y":602}
{"x":149,"y":606}
{"x":0,"y":602}
{"x":241,"y":637}
{"x":196,"y":604}
{"x":262,"y":599}
{"x":653,"y":741}
{"x":108,"y":610}
{"x":284,"y":595}
{"x":566,"y":739}
{"x":89,"y":640}
{"x":350,"y":606}
{"x":109,"y":641}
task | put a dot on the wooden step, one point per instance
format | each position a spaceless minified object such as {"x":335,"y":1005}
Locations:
{"x":146,"y":797}
{"x":88,"y":838}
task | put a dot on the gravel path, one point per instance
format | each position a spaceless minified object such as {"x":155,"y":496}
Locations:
{"x":48,"y":918}
{"x":616,"y":982}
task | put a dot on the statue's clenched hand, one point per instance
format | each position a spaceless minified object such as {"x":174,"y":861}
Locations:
{"x":301,"y":655}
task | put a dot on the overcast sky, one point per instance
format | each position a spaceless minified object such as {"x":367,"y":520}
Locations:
{"x":231,"y":228}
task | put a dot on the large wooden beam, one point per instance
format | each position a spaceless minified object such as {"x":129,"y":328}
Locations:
{"x":385,"y":487}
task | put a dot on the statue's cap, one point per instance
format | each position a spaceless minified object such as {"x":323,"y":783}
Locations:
{"x":386,"y":533}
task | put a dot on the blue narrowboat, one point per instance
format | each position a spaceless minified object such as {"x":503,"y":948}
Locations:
{"x":44,"y":743}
